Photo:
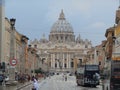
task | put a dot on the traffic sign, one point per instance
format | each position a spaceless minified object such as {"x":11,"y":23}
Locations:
{"x":13,"y":62}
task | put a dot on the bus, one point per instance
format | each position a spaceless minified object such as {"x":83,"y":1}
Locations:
{"x":88,"y":75}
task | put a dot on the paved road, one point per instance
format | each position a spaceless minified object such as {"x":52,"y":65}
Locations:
{"x":56,"y":82}
{"x":16,"y":87}
{"x":7,"y":88}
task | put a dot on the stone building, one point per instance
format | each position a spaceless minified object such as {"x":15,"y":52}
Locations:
{"x":2,"y":29}
{"x":7,"y":41}
{"x":15,"y":45}
{"x":117,"y":32}
{"x":62,"y":51}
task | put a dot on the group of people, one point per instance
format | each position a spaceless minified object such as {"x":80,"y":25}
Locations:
{"x":21,"y":77}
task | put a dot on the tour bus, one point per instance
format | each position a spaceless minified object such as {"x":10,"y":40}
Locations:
{"x":88,"y":75}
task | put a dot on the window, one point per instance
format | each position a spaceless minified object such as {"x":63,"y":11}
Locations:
{"x":66,"y":38}
{"x":65,"y":60}
{"x":61,"y":37}
{"x":65,"y":65}
{"x":92,"y":56}
{"x":55,"y":65}
{"x":80,"y":61}
{"x":72,"y":64}
{"x":86,"y":46}
{"x":57,"y":37}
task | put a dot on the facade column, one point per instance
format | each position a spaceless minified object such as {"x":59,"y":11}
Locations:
{"x":54,"y":61}
{"x":67,"y":61}
{"x":58,"y":61}
{"x":51,"y":61}
{"x":63,"y":61}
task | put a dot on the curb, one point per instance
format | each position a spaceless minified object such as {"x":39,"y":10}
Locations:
{"x":27,"y":84}
{"x":20,"y":87}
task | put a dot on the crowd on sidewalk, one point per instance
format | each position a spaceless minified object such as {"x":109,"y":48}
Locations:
{"x":26,"y":79}
{"x":22,"y":78}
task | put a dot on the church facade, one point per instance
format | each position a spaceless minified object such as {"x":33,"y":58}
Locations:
{"x":62,"y":51}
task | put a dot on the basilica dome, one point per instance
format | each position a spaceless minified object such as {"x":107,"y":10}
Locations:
{"x":62,"y":31}
{"x":61,"y":25}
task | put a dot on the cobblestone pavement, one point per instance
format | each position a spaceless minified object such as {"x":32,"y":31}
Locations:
{"x":56,"y":82}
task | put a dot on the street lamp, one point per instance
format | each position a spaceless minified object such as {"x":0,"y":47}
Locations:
{"x":12,"y":49}
{"x":12,"y":22}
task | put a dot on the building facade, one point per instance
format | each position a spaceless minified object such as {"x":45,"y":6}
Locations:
{"x":14,"y":50}
{"x":2,"y":29}
{"x":117,"y":32}
{"x":62,"y":51}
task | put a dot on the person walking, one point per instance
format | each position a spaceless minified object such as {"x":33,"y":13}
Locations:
{"x":35,"y":84}
{"x":65,"y":77}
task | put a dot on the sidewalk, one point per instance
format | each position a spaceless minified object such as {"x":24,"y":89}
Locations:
{"x":22,"y":85}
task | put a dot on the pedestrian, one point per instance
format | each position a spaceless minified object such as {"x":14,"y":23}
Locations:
{"x":35,"y":84}
{"x":44,"y":76}
{"x":97,"y":76}
{"x":65,"y":77}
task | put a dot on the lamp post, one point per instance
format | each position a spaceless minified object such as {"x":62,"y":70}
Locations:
{"x":12,"y":49}
{"x":33,"y":52}
{"x":12,"y":54}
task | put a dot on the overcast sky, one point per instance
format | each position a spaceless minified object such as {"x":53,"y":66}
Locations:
{"x":89,"y":18}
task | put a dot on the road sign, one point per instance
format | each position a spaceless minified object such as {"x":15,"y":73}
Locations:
{"x":13,"y":62}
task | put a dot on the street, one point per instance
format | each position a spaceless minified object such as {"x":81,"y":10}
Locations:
{"x":61,"y":38}
{"x":56,"y":82}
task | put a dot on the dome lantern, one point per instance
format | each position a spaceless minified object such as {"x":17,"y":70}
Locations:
{"x":62,"y":16}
